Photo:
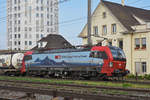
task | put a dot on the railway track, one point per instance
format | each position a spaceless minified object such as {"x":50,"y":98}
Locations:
{"x":71,"y":93}
{"x":146,"y":82}
{"x":132,"y":81}
{"x":81,"y":86}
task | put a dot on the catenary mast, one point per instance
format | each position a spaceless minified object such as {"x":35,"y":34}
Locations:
{"x":89,"y":24}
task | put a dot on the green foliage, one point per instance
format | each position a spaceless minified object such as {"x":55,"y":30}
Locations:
{"x":79,"y":82}
{"x":139,"y":77}
{"x":126,"y":85}
{"x":131,"y":76}
{"x":147,"y":76}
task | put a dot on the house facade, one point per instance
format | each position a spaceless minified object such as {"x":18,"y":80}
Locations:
{"x":125,"y":27}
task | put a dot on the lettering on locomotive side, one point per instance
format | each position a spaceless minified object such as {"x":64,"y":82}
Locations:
{"x":60,"y":57}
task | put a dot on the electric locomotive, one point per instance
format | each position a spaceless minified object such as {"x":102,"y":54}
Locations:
{"x":96,"y":62}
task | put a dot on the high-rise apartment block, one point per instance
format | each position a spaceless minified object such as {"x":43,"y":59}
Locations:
{"x":30,"y":20}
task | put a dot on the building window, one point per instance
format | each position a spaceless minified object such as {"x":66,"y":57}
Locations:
{"x":18,"y":1}
{"x":15,"y":8}
{"x":51,"y":9}
{"x":110,"y":43}
{"x":104,"y":30}
{"x":48,"y":16}
{"x":15,"y":35}
{"x":15,"y":15}
{"x":47,"y":23}
{"x":30,"y":29}
{"x":19,"y":42}
{"x":25,"y":22}
{"x":18,"y":7}
{"x":42,"y":9}
{"x":19,"y":35}
{"x":144,"y":67}
{"x":41,"y":1}
{"x":37,"y":1}
{"x":121,"y":44}
{"x":15,"y":2}
{"x":25,"y":28}
{"x":47,"y":2}
{"x":19,"y":22}
{"x":15,"y":43}
{"x":19,"y":15}
{"x":114,"y":28}
{"x":15,"y":29}
{"x":48,"y":30}
{"x":48,"y":9}
{"x":26,"y":43}
{"x":26,"y":35}
{"x":143,"y":43}
{"x":19,"y":29}
{"x":30,"y":42}
{"x":95,"y":29}
{"x":37,"y":26}
{"x":37,"y":8}
{"x":42,"y":15}
{"x":104,"y":14}
{"x":137,"y":43}
{"x":42,"y":36}
{"x":37,"y":35}
{"x":37,"y":15}
{"x":140,"y":67}
{"x":15,"y":21}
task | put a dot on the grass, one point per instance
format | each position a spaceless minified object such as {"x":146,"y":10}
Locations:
{"x":78,"y":82}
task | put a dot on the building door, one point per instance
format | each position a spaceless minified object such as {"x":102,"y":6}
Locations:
{"x":121,"y":44}
{"x":138,"y":68}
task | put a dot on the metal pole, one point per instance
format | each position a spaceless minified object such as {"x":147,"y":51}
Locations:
{"x":122,"y":2}
{"x":89,"y":23}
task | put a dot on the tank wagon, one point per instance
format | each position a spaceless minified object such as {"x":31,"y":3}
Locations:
{"x":97,"y":62}
{"x":11,"y":63}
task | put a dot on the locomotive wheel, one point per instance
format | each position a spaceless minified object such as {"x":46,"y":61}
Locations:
{"x":102,"y":77}
{"x":7,"y":73}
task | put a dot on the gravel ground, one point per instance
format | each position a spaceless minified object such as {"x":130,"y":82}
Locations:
{"x":23,"y":96}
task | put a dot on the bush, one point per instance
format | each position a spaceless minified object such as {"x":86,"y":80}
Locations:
{"x":130,"y":76}
{"x":140,"y":77}
{"x":147,"y":76}
{"x":126,"y":85}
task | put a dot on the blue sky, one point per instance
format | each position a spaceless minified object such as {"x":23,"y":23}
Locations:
{"x":72,"y":18}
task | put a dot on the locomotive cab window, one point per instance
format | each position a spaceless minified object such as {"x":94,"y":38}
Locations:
{"x":98,"y":54}
{"x":28,"y":57}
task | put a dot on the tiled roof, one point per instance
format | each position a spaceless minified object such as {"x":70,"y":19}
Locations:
{"x":54,"y":41}
{"x":125,"y":14}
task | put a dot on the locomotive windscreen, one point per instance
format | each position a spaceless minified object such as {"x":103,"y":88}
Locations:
{"x":118,"y":54}
{"x":28,"y":57}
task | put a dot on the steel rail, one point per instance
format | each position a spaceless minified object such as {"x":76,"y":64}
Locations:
{"x":71,"y":94}
{"x":83,"y":86}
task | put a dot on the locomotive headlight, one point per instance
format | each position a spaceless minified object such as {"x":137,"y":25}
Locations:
{"x":111,"y":64}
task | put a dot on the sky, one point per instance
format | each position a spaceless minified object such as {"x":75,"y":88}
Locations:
{"x":72,"y":18}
